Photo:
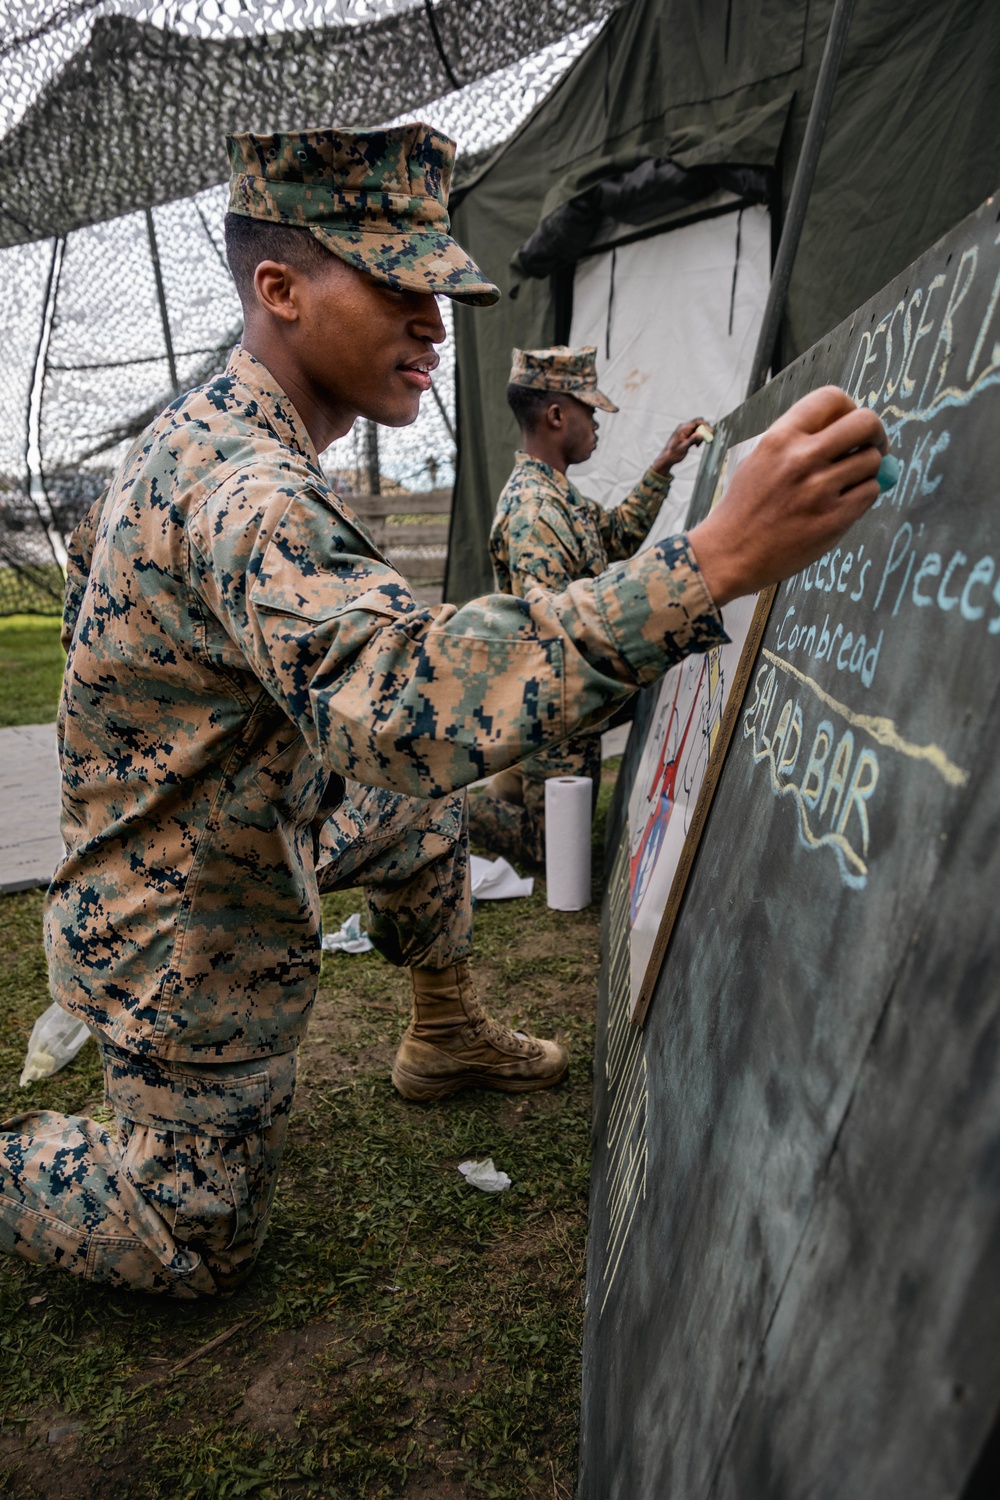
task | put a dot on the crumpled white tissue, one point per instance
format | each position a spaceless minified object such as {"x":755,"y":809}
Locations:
{"x":496,"y":880}
{"x":55,"y":1039}
{"x":484,"y":1175}
{"x":349,"y":938}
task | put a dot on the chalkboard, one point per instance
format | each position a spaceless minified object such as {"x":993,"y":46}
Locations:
{"x":793,"y":1280}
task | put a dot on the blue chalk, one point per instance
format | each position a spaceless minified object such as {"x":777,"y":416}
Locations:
{"x":889,"y":471}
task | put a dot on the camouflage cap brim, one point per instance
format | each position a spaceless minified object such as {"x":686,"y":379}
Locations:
{"x":594,"y":397}
{"x":424,"y":261}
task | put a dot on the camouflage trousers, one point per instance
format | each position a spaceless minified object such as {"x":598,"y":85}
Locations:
{"x":412,"y":858}
{"x":177,"y":1199}
{"x":507,"y":813}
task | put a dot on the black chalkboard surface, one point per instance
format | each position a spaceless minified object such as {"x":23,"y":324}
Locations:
{"x":793,"y":1283}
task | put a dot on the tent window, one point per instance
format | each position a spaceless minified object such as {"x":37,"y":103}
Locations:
{"x":642,"y":198}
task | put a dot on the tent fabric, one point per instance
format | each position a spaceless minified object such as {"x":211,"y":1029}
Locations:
{"x":675,"y":319}
{"x":911,"y":147}
{"x":137,"y":117}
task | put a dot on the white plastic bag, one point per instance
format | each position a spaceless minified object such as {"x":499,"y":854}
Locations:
{"x":348,"y":939}
{"x":484,"y":1176}
{"x":56,"y":1038}
{"x":497,"y":880}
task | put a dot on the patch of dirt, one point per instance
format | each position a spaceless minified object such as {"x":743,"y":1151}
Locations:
{"x":44,"y":1459}
{"x":286,"y":1381}
{"x":45,"y":1464}
{"x":551,"y":1245}
{"x":330,"y":1054}
{"x":585,"y":938}
{"x":516,"y":1109}
{"x":434,"y":1487}
{"x":438,"y":1378}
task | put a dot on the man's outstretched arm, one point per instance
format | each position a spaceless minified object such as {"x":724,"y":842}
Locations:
{"x":624,"y":527}
{"x":425,"y":700}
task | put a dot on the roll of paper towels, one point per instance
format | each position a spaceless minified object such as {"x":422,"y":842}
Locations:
{"x":568,"y":804}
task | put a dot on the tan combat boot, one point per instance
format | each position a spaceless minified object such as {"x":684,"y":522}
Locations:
{"x":452,"y":1044}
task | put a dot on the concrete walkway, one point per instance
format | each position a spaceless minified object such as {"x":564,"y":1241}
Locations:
{"x":30,"y":846}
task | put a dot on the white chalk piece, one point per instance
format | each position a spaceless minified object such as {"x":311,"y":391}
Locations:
{"x":568,"y":811}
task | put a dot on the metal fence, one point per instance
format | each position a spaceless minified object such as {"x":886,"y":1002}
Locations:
{"x":114,"y":292}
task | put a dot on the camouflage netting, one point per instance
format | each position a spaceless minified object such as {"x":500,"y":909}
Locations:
{"x":114,"y":291}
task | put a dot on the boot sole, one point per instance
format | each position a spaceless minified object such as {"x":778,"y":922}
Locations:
{"x":416,"y":1087}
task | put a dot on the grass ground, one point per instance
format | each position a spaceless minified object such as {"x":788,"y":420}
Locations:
{"x":31,"y":665}
{"x":402,"y":1334}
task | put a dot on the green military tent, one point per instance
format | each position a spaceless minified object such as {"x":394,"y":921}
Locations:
{"x":650,"y":186}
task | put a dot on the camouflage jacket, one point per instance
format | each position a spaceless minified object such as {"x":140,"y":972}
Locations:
{"x":236,"y":646}
{"x":545,"y":533}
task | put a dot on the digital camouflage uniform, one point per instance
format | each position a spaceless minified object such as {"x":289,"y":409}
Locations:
{"x":254,"y":705}
{"x":545,"y":534}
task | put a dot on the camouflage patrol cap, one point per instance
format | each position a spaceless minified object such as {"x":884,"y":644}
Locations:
{"x":377,"y":198}
{"x":571,"y":371}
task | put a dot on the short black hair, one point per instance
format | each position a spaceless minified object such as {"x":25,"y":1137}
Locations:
{"x":249,"y":241}
{"x":527,"y":404}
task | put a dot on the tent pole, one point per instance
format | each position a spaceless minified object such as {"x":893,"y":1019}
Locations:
{"x":439,"y":44}
{"x":371,"y":459}
{"x":444,"y":414}
{"x":162,"y":299}
{"x":798,"y":201}
{"x":33,"y":423}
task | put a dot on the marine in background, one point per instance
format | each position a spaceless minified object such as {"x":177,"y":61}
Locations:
{"x":546,"y":535}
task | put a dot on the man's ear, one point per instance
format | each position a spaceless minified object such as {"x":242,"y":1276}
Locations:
{"x":554,"y":415}
{"x":276,"y":289}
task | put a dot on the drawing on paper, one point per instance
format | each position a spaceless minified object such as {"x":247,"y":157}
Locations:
{"x":685,"y":726}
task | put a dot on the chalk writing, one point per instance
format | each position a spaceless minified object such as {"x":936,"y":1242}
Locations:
{"x":834,"y":783}
{"x":906,"y":368}
{"x":833,"y":644}
{"x":947,"y":580}
{"x":833,"y":790}
{"x":880,"y":728}
{"x":875,"y":350}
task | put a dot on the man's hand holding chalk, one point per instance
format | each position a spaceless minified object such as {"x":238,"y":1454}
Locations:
{"x":811,"y":476}
{"x":889,"y":471}
{"x":680,"y":442}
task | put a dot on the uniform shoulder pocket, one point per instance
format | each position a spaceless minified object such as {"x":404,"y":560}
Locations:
{"x":317,"y":565}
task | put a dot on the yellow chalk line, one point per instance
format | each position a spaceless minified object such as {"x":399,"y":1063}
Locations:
{"x":881,"y":729}
{"x":815,"y":841}
{"x":952,"y":395}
